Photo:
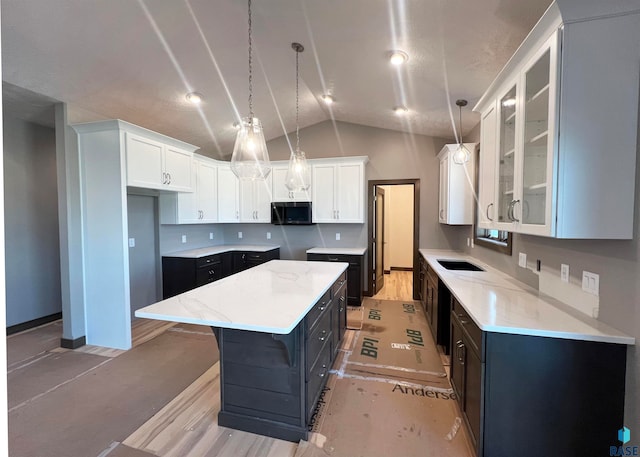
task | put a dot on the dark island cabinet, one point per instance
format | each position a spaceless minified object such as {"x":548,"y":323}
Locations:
{"x":271,"y":383}
{"x":180,"y":274}
{"x":532,"y":395}
{"x":354,"y":273}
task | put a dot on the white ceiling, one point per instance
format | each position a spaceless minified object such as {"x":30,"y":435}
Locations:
{"x":136,"y":59}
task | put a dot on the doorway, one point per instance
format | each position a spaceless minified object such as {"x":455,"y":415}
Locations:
{"x":393,"y":217}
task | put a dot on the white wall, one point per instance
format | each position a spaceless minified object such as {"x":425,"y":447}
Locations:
{"x":32,"y":258}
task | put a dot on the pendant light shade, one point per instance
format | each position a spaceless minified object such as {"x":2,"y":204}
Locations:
{"x":462,"y":154}
{"x":298,"y":173}
{"x":250,"y":158}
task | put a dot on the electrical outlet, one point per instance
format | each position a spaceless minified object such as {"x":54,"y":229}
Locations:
{"x":184,"y":238}
{"x":591,"y":283}
{"x":268,"y":235}
{"x":564,"y":272}
{"x":468,"y":241}
{"x":337,"y":236}
{"x":472,"y":243}
{"x":522,"y":260}
{"x":210,"y":235}
{"x":239,"y":235}
{"x":132,"y":242}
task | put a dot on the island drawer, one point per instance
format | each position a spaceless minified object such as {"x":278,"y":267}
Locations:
{"x":338,"y":284}
{"x":315,"y":312}
{"x":468,"y":324}
{"x":215,"y":259}
{"x":320,"y":334}
{"x":317,"y":377}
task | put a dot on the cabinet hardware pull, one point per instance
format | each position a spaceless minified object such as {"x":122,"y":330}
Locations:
{"x":169,"y":178}
{"x":489,"y":206}
{"x":338,"y":214}
{"x":321,"y":338}
{"x":333,"y":259}
{"x":513,"y":211}
{"x":322,"y":374}
{"x":464,"y":322}
{"x":342,"y":298}
{"x":441,"y":214}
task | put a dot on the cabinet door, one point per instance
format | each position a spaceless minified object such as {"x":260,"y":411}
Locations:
{"x":472,"y":389}
{"x":349,"y":193}
{"x":443,"y":194}
{"x":247,"y":208}
{"x":280,"y":191}
{"x":487,"y":170}
{"x":187,"y":203}
{"x":144,"y":162}
{"x":457,"y":360}
{"x":507,"y":126}
{"x":228,"y":195}
{"x":534,"y":209}
{"x":207,"y":192}
{"x":324,"y":179}
{"x":262,"y":200}
{"x":177,"y":166}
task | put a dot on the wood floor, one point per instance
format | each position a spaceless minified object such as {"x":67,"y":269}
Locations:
{"x":397,"y":286}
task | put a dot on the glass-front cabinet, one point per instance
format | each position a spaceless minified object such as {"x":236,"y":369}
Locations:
{"x":507,"y":106}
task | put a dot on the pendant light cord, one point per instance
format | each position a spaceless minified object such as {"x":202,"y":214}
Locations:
{"x":297,"y":105}
{"x":250,"y":71}
{"x":460,"y":123}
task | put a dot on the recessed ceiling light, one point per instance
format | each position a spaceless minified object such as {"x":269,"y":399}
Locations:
{"x":400,"y":110}
{"x":328,"y":99}
{"x":194,"y":97}
{"x":398,"y":57}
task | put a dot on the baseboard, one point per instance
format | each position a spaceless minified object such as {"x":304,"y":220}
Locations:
{"x":387,"y":272}
{"x":34,"y":323}
{"x":402,"y":268}
{"x":73,"y":344}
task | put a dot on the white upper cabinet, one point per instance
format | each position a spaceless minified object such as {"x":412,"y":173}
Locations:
{"x":338,"y":190}
{"x":255,"y":200}
{"x":280,"y":193}
{"x":456,"y":196}
{"x":228,"y":195}
{"x":156,"y":164}
{"x":559,"y":131}
{"x":199,"y":207}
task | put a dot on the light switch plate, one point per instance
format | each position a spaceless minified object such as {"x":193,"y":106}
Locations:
{"x":337,"y":236}
{"x":132,"y":242}
{"x":564,"y":272}
{"x":522,"y":260}
{"x":591,"y":283}
{"x":184,"y":238}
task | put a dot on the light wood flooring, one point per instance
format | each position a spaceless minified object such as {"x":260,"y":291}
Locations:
{"x":397,"y":286}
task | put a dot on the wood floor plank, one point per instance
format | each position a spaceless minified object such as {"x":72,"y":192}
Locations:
{"x":143,"y":330}
{"x":397,"y":286}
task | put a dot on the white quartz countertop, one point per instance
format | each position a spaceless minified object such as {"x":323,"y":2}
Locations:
{"x":211,"y":250}
{"x":272,"y":297}
{"x":499,"y":303}
{"x":337,"y":251}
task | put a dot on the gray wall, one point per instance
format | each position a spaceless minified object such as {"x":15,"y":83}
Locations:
{"x":144,"y":266}
{"x":617,"y":263}
{"x":197,"y":236}
{"x":32,"y":258}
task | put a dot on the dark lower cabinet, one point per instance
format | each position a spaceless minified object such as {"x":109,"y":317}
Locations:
{"x":180,"y":274}
{"x":436,"y":303}
{"x":531,"y":396}
{"x":270,"y":383}
{"x":354,"y":273}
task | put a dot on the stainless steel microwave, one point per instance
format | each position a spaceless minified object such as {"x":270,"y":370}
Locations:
{"x":291,"y":213}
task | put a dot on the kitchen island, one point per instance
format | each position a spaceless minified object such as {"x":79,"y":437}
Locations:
{"x":278,"y":327}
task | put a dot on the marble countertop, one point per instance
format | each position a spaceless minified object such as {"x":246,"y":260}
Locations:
{"x":272,"y":297}
{"x":499,"y":303}
{"x":222,"y":248}
{"x":337,"y":251}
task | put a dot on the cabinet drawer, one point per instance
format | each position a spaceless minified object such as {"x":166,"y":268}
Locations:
{"x":468,"y":325}
{"x":209,"y":274}
{"x":316,"y":311}
{"x":338,"y":284}
{"x":208,"y":260}
{"x":317,"y":377}
{"x":318,"y":337}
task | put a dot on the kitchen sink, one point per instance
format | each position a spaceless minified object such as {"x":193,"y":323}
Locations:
{"x":459,"y":265}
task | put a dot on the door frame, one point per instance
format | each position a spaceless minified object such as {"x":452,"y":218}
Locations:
{"x":416,"y":230}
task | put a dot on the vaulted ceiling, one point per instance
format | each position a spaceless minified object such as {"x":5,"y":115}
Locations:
{"x":136,"y":59}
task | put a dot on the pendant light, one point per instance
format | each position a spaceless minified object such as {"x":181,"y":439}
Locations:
{"x":298,"y":173}
{"x":250,"y":158}
{"x":462,"y":154}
